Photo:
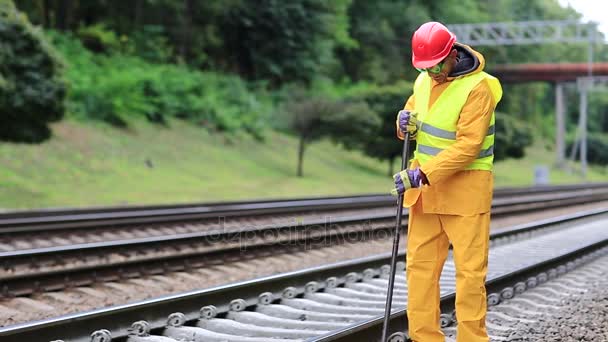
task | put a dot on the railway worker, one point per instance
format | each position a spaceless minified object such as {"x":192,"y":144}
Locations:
{"x":448,"y":186}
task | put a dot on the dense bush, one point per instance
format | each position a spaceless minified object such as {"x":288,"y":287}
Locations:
{"x":148,"y":42}
{"x":597,"y":148}
{"x":98,"y":38}
{"x":512,"y":137}
{"x":32,"y":90}
{"x":116,"y":87}
{"x":386,"y":101}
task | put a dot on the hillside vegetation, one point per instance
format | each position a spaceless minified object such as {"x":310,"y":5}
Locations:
{"x":180,"y":101}
{"x":88,"y":164}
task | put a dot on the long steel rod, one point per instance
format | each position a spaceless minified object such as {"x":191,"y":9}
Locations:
{"x":391,"y":279}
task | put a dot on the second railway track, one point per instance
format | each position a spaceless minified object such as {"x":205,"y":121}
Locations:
{"x":29,"y":271}
{"x":45,"y":229}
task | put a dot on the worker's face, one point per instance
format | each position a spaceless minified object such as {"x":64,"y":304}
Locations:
{"x":447,"y":66}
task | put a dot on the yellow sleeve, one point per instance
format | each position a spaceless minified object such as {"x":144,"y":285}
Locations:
{"x":409,"y":105}
{"x":472,"y":128}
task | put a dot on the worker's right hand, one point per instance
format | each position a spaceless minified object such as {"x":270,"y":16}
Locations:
{"x":407,"y":121}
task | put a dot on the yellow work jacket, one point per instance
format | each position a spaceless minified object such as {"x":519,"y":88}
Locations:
{"x":438,"y":124}
{"x":453,"y":189}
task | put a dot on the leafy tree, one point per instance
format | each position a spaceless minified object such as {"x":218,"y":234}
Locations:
{"x":32,"y":89}
{"x":381,"y":30}
{"x":285,"y":41}
{"x":512,"y":137}
{"x":386,"y":101}
{"x":314,"y":118}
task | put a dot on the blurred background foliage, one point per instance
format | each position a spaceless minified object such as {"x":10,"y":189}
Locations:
{"x":251,"y":66}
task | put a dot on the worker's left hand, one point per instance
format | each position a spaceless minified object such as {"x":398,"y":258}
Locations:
{"x":407,"y":179}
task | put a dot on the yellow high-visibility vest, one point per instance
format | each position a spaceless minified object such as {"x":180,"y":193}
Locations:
{"x":437,"y":126}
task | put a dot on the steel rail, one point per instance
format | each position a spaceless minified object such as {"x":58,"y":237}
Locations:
{"x":232,"y":244}
{"x":48,"y":212}
{"x":65,"y":219}
{"x":212,"y":206}
{"x":499,"y":205}
{"x":77,"y":327}
{"x":10,"y":225}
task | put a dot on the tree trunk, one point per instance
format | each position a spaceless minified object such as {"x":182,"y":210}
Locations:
{"x":186,"y":30}
{"x":301,"y":156}
{"x":138,"y":13}
{"x":63,"y":15}
{"x":391,"y":163}
{"x":46,"y":14}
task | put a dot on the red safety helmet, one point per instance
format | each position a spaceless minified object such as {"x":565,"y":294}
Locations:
{"x":431,"y":43}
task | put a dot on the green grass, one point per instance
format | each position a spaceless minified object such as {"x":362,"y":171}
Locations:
{"x":88,"y":164}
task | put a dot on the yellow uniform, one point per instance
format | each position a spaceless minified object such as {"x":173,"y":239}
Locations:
{"x":454,"y":207}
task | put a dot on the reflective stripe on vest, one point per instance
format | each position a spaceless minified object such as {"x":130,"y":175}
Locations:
{"x":442,"y":133}
{"x":437,"y":125}
{"x":433,"y":151}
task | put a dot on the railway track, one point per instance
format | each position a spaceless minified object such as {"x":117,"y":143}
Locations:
{"x":251,"y":207}
{"x":28,"y":271}
{"x":50,"y":228}
{"x":339,"y":302}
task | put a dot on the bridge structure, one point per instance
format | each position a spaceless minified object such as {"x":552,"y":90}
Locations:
{"x":547,"y":72}
{"x":586,"y":75}
{"x":559,"y":74}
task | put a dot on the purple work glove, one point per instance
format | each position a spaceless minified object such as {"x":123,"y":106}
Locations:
{"x":408,"y":179}
{"x":408,"y":122}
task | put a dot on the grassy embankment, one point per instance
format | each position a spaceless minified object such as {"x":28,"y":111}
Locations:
{"x":93,"y":164}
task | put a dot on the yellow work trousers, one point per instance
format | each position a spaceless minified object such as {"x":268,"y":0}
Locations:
{"x":428,"y":241}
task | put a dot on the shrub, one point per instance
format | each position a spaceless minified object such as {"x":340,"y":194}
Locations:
{"x":512,"y":137}
{"x":150,"y":43}
{"x":98,"y":38}
{"x":117,"y":87}
{"x":597,"y":148}
{"x":386,"y":101}
{"x":32,"y":89}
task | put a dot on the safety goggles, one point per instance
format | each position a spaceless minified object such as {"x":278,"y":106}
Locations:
{"x":435,"y":69}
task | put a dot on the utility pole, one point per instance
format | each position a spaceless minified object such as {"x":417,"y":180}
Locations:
{"x":560,"y":125}
{"x":586,"y":84}
{"x":583,"y":123}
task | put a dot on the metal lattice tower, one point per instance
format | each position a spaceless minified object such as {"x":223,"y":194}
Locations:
{"x":525,"y":32}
